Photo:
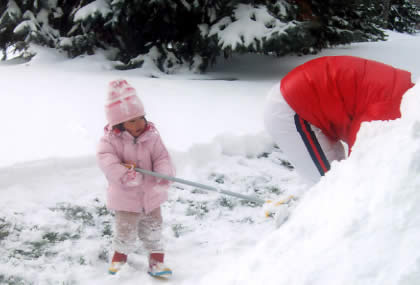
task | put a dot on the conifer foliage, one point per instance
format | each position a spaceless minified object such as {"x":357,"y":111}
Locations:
{"x":403,"y":16}
{"x":169,"y":34}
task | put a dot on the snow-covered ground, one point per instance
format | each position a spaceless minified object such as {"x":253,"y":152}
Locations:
{"x":359,"y":225}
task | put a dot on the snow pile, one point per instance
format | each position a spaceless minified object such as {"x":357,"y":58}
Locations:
{"x":359,"y":225}
{"x":55,"y":227}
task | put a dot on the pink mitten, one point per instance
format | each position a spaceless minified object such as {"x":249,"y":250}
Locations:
{"x":162,"y":182}
{"x":132,"y":178}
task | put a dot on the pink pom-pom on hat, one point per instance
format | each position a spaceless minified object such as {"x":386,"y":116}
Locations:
{"x":122,"y":103}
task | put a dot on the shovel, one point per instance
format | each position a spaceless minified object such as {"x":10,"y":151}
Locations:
{"x":214,"y":189}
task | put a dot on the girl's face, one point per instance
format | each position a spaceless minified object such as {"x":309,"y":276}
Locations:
{"x":135,"y":126}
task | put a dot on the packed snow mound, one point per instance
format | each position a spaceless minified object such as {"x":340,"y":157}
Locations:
{"x":359,"y":225}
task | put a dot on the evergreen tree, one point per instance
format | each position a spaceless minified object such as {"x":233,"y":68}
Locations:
{"x":341,"y":22}
{"x":258,"y":27}
{"x":82,"y":26}
{"x":23,"y":22}
{"x":163,"y":32}
{"x":9,"y":18}
{"x":398,"y":15}
{"x":403,"y":16}
{"x":192,"y":33}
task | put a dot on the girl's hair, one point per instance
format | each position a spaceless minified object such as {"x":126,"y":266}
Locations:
{"x":121,"y":128}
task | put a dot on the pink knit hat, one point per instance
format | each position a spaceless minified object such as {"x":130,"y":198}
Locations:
{"x":122,"y":104}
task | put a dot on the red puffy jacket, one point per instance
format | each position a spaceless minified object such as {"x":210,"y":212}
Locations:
{"x":338,"y":93}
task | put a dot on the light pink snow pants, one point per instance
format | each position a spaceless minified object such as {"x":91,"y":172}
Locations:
{"x":130,"y":225}
{"x":305,"y":146}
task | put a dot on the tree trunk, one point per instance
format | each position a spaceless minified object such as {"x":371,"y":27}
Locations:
{"x":385,"y":13}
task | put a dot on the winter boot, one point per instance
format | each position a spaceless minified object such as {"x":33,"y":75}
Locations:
{"x":118,"y":260}
{"x":156,"y":266}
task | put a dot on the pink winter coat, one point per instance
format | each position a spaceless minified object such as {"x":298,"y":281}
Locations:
{"x":147,"y":152}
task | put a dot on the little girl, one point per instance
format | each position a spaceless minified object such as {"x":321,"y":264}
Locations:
{"x":131,"y":141}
